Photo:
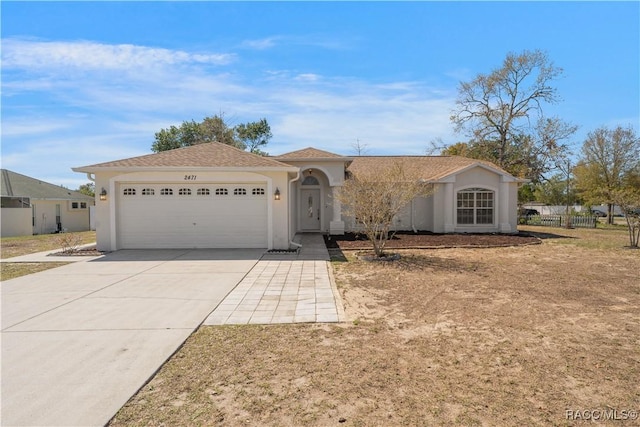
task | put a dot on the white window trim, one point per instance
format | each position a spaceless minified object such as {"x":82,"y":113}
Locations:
{"x":476,"y":190}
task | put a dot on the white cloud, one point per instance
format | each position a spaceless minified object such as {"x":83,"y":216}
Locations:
{"x":307,"y":77}
{"x":32,"y":126}
{"x":260,"y":44}
{"x":102,"y":113}
{"x":86,"y":55}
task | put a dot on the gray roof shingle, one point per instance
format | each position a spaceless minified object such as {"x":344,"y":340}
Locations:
{"x":18,"y":185}
{"x":309,"y":153}
{"x":212,"y":154}
{"x":429,"y":168}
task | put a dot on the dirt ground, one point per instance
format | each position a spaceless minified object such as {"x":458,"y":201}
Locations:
{"x":531,"y":335}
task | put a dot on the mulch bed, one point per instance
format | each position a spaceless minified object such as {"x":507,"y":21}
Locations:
{"x":427,"y":240}
{"x":90,"y":251}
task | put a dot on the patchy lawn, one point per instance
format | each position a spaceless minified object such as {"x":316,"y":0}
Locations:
{"x":11,"y":270}
{"x":505,"y":336}
{"x":24,"y":245}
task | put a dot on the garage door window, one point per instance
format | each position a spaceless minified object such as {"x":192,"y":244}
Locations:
{"x":184,"y":192}
{"x":148,"y":192}
{"x":129,"y":192}
{"x":166,"y":192}
{"x":221,"y":191}
{"x":240,"y":192}
{"x":258,"y":191}
{"x":203,"y":192}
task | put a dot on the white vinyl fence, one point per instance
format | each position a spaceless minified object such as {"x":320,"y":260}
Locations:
{"x":576,"y":221}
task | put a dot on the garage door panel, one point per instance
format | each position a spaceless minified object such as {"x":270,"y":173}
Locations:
{"x":192,"y":221}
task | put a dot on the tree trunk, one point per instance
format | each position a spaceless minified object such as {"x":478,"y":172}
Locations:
{"x":610,"y":214}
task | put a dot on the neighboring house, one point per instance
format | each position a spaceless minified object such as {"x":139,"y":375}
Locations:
{"x":216,"y":196}
{"x":31,"y":206}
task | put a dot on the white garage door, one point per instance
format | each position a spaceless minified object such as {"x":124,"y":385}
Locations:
{"x":175,"y":215}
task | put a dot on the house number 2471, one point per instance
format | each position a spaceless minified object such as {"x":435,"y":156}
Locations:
{"x":190,"y":177}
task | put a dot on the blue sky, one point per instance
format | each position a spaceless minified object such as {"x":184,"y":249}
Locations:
{"x":87,"y":82}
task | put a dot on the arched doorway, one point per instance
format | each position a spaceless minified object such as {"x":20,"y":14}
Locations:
{"x":310,"y":209}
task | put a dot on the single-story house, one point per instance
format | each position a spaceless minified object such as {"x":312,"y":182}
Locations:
{"x":31,"y":206}
{"x":216,"y":196}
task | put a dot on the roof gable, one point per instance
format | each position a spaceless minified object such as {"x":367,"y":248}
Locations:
{"x":18,"y":185}
{"x":309,"y":153}
{"x":212,"y":154}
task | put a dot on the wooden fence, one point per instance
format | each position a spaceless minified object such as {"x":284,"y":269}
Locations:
{"x":575,"y":221}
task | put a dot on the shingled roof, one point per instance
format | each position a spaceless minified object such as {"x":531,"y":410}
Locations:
{"x":430,"y":168}
{"x":14,"y":184}
{"x":309,"y":153}
{"x":211,"y":154}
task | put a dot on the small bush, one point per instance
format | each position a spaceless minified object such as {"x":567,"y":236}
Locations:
{"x":69,"y":242}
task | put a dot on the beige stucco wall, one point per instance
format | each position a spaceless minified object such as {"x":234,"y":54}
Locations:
{"x":478,"y":178}
{"x":15,"y":222}
{"x":106,"y":211}
{"x":437,"y":213}
{"x":71,"y":219}
{"x":415,"y":216}
{"x":330,"y":174}
{"x":513,"y":207}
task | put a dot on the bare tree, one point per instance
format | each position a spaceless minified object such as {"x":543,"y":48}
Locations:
{"x":373,"y":197}
{"x":629,"y":201}
{"x":502,"y":113}
{"x":360,"y":148}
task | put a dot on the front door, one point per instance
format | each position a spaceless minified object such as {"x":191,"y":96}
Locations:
{"x":310,"y":210}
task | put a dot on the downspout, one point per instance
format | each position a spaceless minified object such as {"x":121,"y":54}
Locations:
{"x":413,"y":226}
{"x":291,"y":181}
{"x":92,"y":179}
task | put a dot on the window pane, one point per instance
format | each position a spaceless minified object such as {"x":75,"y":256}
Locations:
{"x":475,"y":206}
{"x":465,"y":216}
{"x":484,"y":216}
{"x":310,"y":180}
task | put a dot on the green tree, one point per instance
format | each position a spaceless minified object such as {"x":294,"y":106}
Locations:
{"x":254,"y":135}
{"x":556,"y":191}
{"x":216,"y":129}
{"x":502,"y":114}
{"x":609,"y":164}
{"x":89,"y":189}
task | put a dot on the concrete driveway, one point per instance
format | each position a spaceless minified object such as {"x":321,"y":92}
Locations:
{"x":79,"y":340}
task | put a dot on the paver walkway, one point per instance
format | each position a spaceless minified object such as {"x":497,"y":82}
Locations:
{"x":293,"y":289}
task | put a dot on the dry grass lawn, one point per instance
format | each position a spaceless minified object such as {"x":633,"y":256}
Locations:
{"x":24,"y":245}
{"x":462,"y":337}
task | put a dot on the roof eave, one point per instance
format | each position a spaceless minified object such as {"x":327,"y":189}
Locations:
{"x":314,"y":159}
{"x":97,"y":169}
